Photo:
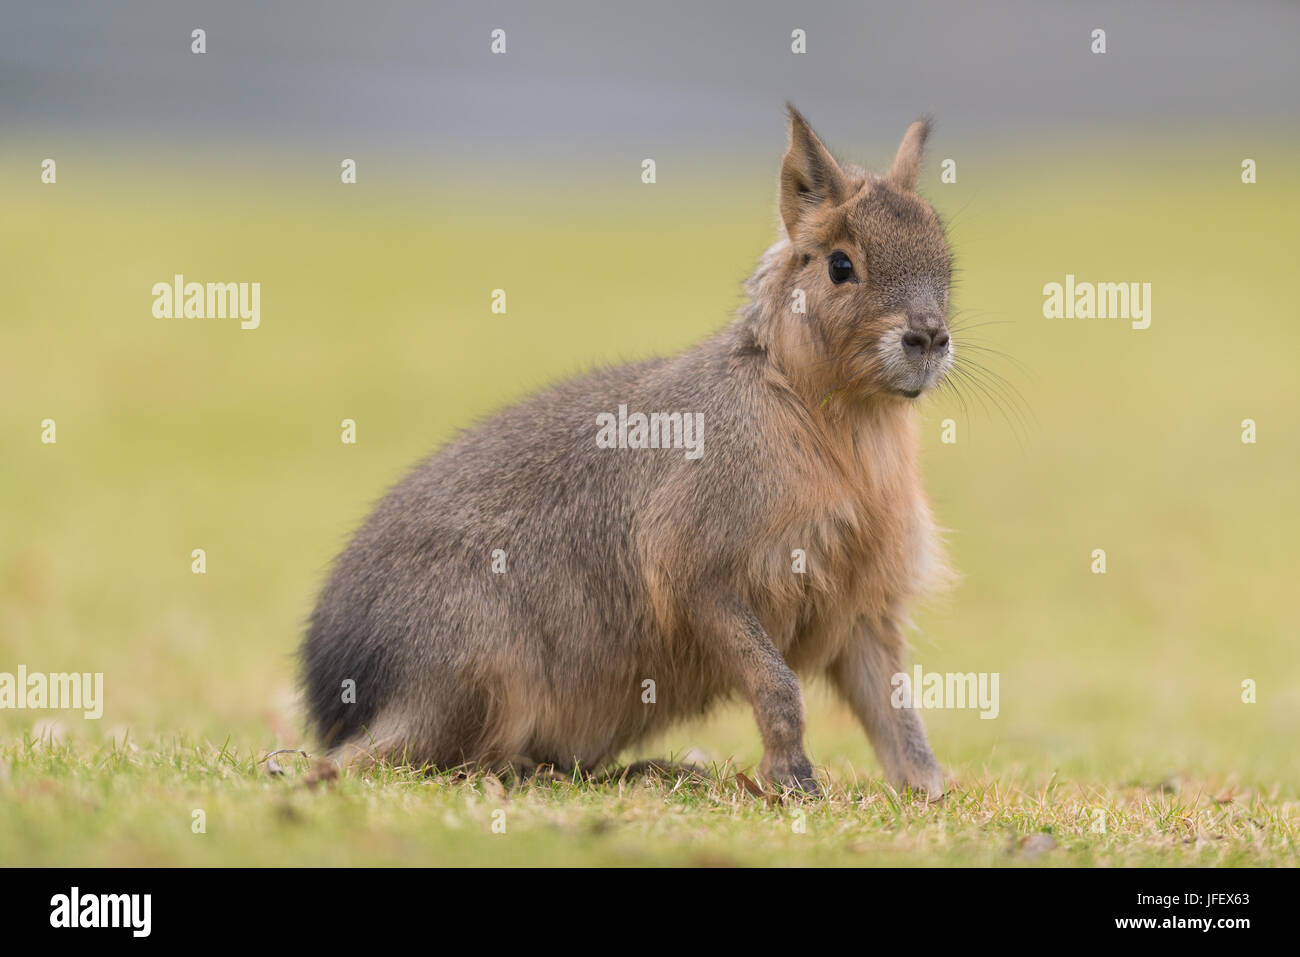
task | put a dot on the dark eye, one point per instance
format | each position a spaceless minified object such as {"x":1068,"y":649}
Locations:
{"x":841,"y":268}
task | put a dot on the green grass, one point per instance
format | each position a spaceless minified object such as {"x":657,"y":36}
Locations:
{"x":126,"y":804}
{"x":1119,"y":692}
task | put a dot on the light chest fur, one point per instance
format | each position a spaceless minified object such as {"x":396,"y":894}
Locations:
{"x":856,"y":540}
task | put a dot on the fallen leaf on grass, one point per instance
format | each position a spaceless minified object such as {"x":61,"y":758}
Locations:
{"x":756,"y":790}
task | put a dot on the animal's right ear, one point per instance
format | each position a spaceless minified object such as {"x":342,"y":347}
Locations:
{"x":810,"y":176}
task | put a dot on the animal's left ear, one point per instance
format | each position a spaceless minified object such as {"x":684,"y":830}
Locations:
{"x":810,"y":176}
{"x":906,"y":169}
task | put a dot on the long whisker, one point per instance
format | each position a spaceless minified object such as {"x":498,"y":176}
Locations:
{"x":968,"y":345}
{"x":997,"y":385}
{"x":989,"y":387}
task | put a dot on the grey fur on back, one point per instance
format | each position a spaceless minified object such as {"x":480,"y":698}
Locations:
{"x":415,"y":615}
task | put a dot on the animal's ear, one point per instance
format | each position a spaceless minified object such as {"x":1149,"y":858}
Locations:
{"x":810,"y":177}
{"x":907,"y":162}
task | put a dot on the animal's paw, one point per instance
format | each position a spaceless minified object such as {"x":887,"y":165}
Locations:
{"x":926,"y":781}
{"x":795,"y":774}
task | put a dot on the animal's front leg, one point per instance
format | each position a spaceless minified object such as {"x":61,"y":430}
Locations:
{"x":863,"y":675}
{"x":756,"y":667}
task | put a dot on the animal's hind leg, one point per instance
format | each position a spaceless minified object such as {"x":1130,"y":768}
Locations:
{"x":657,"y":767}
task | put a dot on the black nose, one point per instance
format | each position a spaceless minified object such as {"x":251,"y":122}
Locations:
{"x":917,"y":343}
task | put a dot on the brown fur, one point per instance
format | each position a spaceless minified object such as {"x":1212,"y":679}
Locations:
{"x":659,"y":567}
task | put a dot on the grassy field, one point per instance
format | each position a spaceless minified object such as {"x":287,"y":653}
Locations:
{"x":1121,"y":694}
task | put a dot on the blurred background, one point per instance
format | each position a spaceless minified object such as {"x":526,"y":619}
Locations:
{"x":522,"y":172}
